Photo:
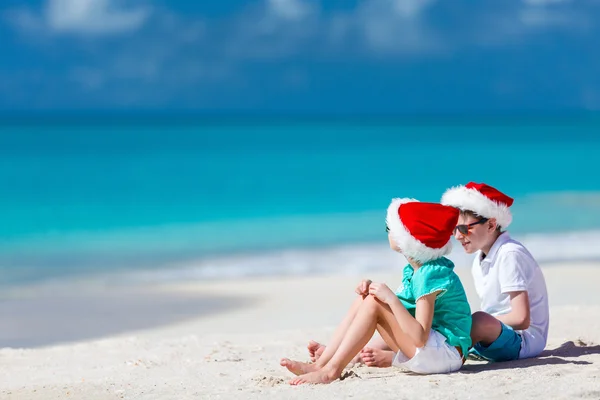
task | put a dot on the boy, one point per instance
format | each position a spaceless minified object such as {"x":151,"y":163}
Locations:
{"x":514,"y":319}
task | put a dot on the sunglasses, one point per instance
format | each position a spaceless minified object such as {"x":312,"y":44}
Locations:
{"x":387,"y":229}
{"x":464,"y":229}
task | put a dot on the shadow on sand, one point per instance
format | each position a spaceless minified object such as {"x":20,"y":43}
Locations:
{"x":563,"y":354}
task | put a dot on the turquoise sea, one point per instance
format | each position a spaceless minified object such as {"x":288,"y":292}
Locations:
{"x":206,"y":197}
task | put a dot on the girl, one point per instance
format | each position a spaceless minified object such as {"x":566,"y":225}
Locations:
{"x":426,"y":322}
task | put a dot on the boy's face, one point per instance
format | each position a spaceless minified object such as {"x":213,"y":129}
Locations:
{"x":479,"y":235}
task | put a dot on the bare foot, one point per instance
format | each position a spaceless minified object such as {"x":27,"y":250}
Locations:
{"x":297,"y":367}
{"x":319,"y":377}
{"x":315,"y":349}
{"x":377,"y":357}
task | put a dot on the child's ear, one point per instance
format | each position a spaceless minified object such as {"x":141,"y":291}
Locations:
{"x":492,"y":224}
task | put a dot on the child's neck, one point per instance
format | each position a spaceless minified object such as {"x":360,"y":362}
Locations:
{"x":486,"y":249}
{"x":414,"y":264}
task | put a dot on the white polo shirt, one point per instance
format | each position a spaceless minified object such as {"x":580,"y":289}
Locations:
{"x":509,"y":267}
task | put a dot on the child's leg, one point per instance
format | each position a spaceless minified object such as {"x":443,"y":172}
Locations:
{"x":371,"y":315}
{"x":299,"y":368}
{"x":375,"y":354}
{"x":485,"y":328}
{"x":340,"y":332}
{"x":494,"y":340}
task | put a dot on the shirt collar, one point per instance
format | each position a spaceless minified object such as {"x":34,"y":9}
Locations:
{"x":503,"y":238}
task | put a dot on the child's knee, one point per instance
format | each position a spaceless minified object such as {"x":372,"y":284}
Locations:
{"x":484,"y":326}
{"x":482,"y":319}
{"x":371,"y":303}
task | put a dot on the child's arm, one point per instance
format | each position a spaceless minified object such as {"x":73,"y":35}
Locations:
{"x":417,"y":328}
{"x":519,"y":316}
{"x":514,"y":273}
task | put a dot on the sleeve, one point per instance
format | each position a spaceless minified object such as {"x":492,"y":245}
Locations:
{"x":512,"y":272}
{"x":407,"y":274}
{"x":431,"y":278}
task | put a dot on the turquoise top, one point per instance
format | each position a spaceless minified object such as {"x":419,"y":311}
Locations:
{"x":452,"y":313}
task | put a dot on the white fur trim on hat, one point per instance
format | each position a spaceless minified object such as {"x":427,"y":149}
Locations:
{"x":467,"y":199}
{"x":409,"y":245}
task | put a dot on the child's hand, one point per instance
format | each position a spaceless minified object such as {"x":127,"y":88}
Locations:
{"x":363,"y":287}
{"x":382,"y":292}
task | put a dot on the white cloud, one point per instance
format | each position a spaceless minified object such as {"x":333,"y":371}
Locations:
{"x":544,"y":2}
{"x":550,"y":13}
{"x":540,"y":17}
{"x":179,"y":52}
{"x":289,"y":9}
{"x":411,"y":8}
{"x":285,"y":27}
{"x":396,"y":26}
{"x":91,"y":17}
{"x":272,"y":29}
{"x":170,"y":56}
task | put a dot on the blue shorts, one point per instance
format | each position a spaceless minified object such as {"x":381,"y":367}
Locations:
{"x":505,"y":348}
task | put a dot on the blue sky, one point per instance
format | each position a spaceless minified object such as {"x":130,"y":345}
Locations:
{"x":300,"y":56}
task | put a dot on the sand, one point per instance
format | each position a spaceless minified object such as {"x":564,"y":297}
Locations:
{"x":234,"y":351}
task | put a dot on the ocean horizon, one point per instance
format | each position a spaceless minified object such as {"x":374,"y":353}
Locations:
{"x":205,"y":198}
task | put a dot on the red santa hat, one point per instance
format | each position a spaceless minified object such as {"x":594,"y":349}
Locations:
{"x":481,"y":199}
{"x":422,"y":231}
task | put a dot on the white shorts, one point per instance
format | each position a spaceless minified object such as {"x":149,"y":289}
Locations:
{"x":436,"y":357}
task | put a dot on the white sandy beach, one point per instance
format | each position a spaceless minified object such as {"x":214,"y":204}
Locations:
{"x":235,"y":353}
